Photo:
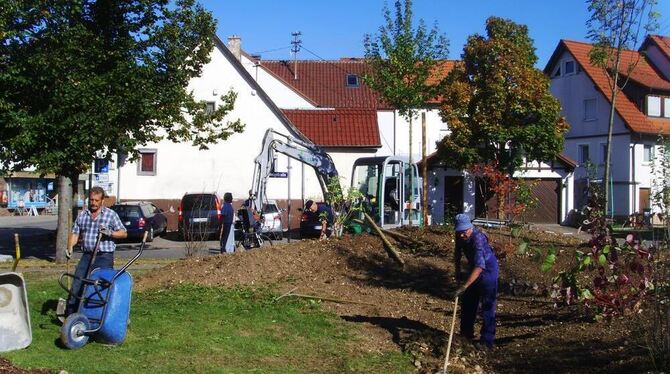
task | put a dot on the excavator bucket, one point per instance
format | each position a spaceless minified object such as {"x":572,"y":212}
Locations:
{"x":15,"y":331}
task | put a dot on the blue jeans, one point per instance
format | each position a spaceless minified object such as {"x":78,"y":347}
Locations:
{"x":103,"y":260}
{"x":484,"y":290}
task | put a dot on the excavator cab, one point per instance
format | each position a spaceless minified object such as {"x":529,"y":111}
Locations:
{"x":392,"y":187}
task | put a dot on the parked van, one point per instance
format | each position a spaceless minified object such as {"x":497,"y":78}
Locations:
{"x":199,"y":216}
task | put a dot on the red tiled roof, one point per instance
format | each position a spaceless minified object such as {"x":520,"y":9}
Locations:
{"x":643,"y":74}
{"x":325,"y":82}
{"x":337,"y":127}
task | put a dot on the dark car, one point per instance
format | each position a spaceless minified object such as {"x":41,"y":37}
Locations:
{"x":310,"y":223}
{"x":199,"y":216}
{"x":141,"y":216}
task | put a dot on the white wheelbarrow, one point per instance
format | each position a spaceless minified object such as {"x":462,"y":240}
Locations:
{"x":15,"y":331}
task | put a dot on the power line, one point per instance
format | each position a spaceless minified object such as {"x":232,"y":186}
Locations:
{"x":271,"y":50}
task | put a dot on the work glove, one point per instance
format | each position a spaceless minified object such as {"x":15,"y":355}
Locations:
{"x":68,"y":253}
{"x":106,"y":231}
{"x":459,"y":291}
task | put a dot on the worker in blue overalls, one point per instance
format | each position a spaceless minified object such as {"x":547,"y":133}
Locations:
{"x":481,"y":285}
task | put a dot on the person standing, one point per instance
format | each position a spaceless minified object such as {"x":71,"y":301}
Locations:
{"x":227,"y":213}
{"x":481,"y":285}
{"x":97,"y":219}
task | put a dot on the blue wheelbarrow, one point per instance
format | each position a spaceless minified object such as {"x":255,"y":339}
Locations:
{"x":103,"y":308}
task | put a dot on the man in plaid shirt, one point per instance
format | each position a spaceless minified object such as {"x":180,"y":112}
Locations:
{"x":95,"y":220}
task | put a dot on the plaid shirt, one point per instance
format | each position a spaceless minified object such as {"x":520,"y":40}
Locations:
{"x":87,"y":228}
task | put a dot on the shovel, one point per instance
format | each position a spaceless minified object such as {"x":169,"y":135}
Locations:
{"x":451,"y":335}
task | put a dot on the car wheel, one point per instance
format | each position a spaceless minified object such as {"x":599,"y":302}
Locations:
{"x":150,"y":237}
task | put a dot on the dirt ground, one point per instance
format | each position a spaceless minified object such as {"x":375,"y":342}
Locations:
{"x":409,"y":308}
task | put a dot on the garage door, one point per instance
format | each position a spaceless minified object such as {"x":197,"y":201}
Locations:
{"x":547,"y":210}
{"x":546,"y":191}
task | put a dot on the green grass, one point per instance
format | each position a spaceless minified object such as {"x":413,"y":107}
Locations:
{"x":197,"y":329}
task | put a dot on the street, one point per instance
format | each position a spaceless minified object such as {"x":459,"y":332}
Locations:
{"x":37,"y":236}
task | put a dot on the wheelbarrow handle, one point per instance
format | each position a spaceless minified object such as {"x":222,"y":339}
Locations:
{"x":132,"y":260}
{"x":18,"y":251}
{"x":94,"y":282}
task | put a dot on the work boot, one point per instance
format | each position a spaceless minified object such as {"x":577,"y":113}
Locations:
{"x":482,"y":346}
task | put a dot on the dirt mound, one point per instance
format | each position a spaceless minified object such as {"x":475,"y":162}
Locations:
{"x":403,"y":307}
{"x":409,"y":308}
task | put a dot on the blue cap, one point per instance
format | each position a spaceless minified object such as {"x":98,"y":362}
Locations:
{"x":462,"y":222}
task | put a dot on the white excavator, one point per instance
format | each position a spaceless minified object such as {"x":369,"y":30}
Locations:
{"x":305,"y":152}
{"x":384,"y":181}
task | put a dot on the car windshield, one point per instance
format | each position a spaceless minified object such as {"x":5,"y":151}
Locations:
{"x":127,"y":211}
{"x":199,"y":201}
{"x":148,"y":210}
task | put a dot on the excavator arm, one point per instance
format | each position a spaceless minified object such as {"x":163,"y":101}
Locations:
{"x":305,"y":152}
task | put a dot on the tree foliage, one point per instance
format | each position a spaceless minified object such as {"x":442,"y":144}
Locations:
{"x":401,"y":59}
{"x":615,"y":27}
{"x":80,"y":77}
{"x":87,"y":78}
{"x":498,"y":105}
{"x":404,"y":64}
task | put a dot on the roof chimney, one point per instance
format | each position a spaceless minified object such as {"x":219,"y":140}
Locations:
{"x":235,"y":46}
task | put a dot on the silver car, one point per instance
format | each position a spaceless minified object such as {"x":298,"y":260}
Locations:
{"x":272,"y":220}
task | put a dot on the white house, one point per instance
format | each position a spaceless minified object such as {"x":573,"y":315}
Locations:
{"x":167,"y":170}
{"x":642,"y":113}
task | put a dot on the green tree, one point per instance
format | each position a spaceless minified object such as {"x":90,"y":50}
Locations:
{"x":615,"y":27}
{"x":84,"y":77}
{"x":498,"y":105}
{"x":401,"y":59}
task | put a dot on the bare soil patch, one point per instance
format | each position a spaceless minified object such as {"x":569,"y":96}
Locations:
{"x":411,"y":307}
{"x":6,"y":367}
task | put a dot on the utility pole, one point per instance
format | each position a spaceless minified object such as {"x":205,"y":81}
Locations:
{"x":296,"y":42}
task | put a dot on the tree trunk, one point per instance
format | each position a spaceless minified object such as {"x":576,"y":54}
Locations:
{"x":411,"y":174}
{"x":424,"y":172}
{"x":501,"y":206}
{"x":64,"y":216}
{"x":610,"y":129}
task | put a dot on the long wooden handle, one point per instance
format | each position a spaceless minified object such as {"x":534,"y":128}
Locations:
{"x":18,"y":251}
{"x":393,"y":253}
{"x":451,"y":335}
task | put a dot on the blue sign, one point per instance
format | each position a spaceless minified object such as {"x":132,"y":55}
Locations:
{"x":279,"y":174}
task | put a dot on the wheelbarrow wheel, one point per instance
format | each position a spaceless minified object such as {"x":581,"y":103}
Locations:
{"x":72,"y":332}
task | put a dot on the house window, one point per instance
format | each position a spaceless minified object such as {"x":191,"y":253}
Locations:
{"x":147,"y":162}
{"x":352,"y":80}
{"x":557,"y":73}
{"x":583,"y":153}
{"x":568,"y":67}
{"x":210,"y":107}
{"x":648,"y":153}
{"x":666,"y":107}
{"x":603,"y":153}
{"x":654,"y":106}
{"x":590,"y":109}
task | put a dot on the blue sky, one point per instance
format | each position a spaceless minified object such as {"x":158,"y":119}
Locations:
{"x":334,"y":29}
